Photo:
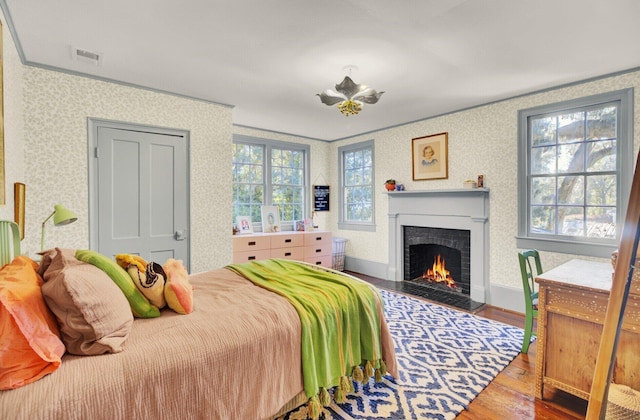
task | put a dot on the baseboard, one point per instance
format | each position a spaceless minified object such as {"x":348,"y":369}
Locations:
{"x":370,"y":268}
{"x":505,"y":297}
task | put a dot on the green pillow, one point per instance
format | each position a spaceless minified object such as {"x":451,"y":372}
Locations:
{"x":140,"y":306}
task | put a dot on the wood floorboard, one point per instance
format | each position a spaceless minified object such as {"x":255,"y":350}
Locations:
{"x":511,"y":395}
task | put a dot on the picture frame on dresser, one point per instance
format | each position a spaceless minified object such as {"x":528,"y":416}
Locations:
{"x":270,"y":219}
{"x":244,"y":224}
{"x":308,"y":225}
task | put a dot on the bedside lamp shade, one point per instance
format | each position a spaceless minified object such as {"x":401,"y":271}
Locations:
{"x":61,"y":216}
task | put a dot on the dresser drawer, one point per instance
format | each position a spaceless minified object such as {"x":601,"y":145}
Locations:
{"x":287,"y":240}
{"x":313,"y":238}
{"x":313,"y":247}
{"x":251,"y":243}
{"x":244,"y":256}
{"x":632,"y":314}
{"x":324,"y":260}
{"x":288,"y":253}
{"x":317,"y":250}
{"x":588,"y":305}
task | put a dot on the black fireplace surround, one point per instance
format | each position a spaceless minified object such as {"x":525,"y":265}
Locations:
{"x":422,"y":245}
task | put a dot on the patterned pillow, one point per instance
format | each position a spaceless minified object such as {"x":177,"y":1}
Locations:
{"x":139,"y":304}
{"x":149,"y":278}
{"x":93,"y":313}
{"x":31,"y":347}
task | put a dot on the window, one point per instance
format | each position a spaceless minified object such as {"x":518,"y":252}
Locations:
{"x":575,"y":168}
{"x":267,"y":172}
{"x":356,"y":186}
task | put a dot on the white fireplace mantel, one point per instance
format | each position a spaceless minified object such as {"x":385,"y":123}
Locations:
{"x":466,"y":209}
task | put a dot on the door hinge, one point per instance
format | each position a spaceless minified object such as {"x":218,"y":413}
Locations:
{"x":95,"y":152}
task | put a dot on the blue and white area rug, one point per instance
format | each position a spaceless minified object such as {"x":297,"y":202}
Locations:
{"x":445,"y":358}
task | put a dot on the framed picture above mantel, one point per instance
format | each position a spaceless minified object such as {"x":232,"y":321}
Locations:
{"x":430,"y":157}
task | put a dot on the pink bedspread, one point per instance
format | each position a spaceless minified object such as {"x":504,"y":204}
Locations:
{"x":237,"y":356}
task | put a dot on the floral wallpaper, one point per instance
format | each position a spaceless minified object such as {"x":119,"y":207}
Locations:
{"x":13,"y":121}
{"x":482,"y":140}
{"x":57,"y":108}
{"x":46,"y":116}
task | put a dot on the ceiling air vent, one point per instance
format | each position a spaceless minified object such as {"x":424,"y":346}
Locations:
{"x":86,"y":56}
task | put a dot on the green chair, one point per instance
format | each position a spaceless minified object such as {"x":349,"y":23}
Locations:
{"x":9,"y":241}
{"x":530,"y":295}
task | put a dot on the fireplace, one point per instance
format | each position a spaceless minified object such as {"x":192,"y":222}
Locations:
{"x":451,"y":223}
{"x":438,"y":258}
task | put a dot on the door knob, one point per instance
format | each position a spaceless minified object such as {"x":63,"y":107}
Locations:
{"x":180,"y":235}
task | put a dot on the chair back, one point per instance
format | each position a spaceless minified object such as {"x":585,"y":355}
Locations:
{"x":526,"y":258}
{"x":9,"y":241}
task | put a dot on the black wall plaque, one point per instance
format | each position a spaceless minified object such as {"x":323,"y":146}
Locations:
{"x":321,"y":198}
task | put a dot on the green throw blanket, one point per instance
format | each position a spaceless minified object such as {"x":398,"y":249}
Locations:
{"x":340,"y":324}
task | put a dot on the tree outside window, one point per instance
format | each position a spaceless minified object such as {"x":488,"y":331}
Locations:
{"x":357,"y":186}
{"x":267,"y":172}
{"x":574,"y":174}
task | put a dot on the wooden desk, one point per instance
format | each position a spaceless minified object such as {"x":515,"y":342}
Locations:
{"x":573,"y":300}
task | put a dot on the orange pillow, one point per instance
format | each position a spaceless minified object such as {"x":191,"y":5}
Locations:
{"x":177,"y":290}
{"x":31,"y":347}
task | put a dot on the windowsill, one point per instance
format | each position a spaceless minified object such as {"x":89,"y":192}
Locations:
{"x":587,"y":249}
{"x":357,"y":226}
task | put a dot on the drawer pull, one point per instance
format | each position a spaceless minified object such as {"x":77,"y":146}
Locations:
{"x":252,"y":243}
{"x":318,"y":262}
{"x":287,"y":241}
{"x":287,"y":254}
{"x":318,"y":238}
{"x":318,"y":250}
{"x":251,"y":258}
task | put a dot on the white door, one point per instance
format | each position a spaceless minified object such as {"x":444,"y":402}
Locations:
{"x":140,"y":205}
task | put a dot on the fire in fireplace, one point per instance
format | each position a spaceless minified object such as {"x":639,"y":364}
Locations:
{"x":438,"y":258}
{"x":457,"y":218}
{"x":438,"y":273}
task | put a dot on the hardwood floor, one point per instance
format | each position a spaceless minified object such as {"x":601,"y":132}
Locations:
{"x":511,"y":394}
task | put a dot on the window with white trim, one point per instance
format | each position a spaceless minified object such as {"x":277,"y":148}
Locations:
{"x":356,"y":199}
{"x":575,"y":168}
{"x":267,"y":172}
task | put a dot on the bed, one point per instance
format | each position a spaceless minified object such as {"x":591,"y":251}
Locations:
{"x":236,"y":356}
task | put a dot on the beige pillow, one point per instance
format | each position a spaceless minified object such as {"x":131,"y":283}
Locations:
{"x":93,"y":314}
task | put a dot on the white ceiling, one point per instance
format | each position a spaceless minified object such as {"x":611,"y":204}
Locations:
{"x":269,"y":58}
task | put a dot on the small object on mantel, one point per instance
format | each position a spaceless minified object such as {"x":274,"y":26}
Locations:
{"x":390,"y":184}
{"x":480,"y":181}
{"x":469,"y":183}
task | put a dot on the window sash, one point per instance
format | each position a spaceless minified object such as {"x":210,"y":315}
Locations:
{"x":570,"y":172}
{"x":567,"y":153}
{"x":279,"y":177}
{"x":357,"y":192}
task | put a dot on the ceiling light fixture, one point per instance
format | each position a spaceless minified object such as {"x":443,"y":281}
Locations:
{"x":349,"y":96}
